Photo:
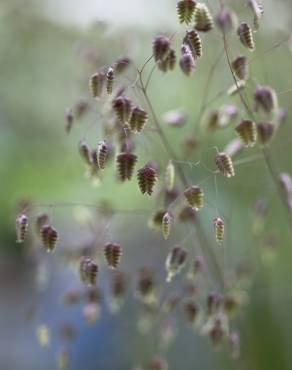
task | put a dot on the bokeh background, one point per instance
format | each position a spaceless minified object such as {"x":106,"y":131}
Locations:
{"x":48,"y":48}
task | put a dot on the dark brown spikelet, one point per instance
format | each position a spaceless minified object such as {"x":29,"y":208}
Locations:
{"x":226,"y":20}
{"x":265,"y":132}
{"x":185,"y":10}
{"x":246,"y":37}
{"x":41,"y":220}
{"x":85,"y":152}
{"x":175,"y":261}
{"x":187,"y":214}
{"x":191,"y":311}
{"x":247,"y":132}
{"x":187,"y":61}
{"x":147,"y":177}
{"x":69,"y":120}
{"x":88,"y":270}
{"x":122,"y":108}
{"x":155,"y":220}
{"x":145,"y":284}
{"x":96,"y":84}
{"x":265,"y":98}
{"x":166,"y":224}
{"x":224,"y":164}
{"x":138,"y":119}
{"x":240,"y":67}
{"x":21,"y":226}
{"x":194,"y":42}
{"x":196,"y":267}
{"x":195,"y":197}
{"x":218,"y":229}
{"x":113,"y":254}
{"x":49,"y":237}
{"x":169,"y":63}
{"x":125,"y":165}
{"x":161,"y":47}
{"x":110,"y":80}
{"x":102,"y":153}
{"x":121,"y":64}
{"x":214,"y":303}
{"x":217,"y":333}
{"x":203,"y":18}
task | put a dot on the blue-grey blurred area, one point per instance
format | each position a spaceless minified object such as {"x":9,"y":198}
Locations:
{"x":48,"y":50}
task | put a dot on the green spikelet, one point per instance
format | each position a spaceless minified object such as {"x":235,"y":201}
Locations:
{"x":185,"y":10}
{"x":247,"y":132}
{"x":203,"y":18}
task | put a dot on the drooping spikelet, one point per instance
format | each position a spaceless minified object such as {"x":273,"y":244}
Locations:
{"x":96,"y":84}
{"x":245,"y":35}
{"x":125,"y":165}
{"x":258,"y":11}
{"x":113,"y":254}
{"x":224,"y":164}
{"x":195,"y":197}
{"x":265,"y":132}
{"x":191,"y":311}
{"x":161,"y":47}
{"x":265,"y":98}
{"x":185,"y":10}
{"x":110,"y":80}
{"x":169,"y":176}
{"x":146,"y":285}
{"x":166,"y":224}
{"x":85,"y":152}
{"x":240,"y":67}
{"x":218,"y":229}
{"x":88,"y":270}
{"x":247,"y":132}
{"x":226,"y":20}
{"x":49,"y":237}
{"x":122,"y":108}
{"x":147,"y":177}
{"x":203,"y":18}
{"x":121,"y":64}
{"x":41,"y":220}
{"x":233,"y":148}
{"x":69,"y":120}
{"x":138,"y":119}
{"x":193,"y":40}
{"x":155,"y":220}
{"x":21,"y":226}
{"x":187,"y":61}
{"x":175,"y":261}
{"x":102,"y":153}
{"x":169,"y":63}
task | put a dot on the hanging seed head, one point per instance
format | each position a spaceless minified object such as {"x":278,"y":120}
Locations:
{"x":195,"y":197}
{"x":258,"y":11}
{"x":121,"y":64}
{"x":265,"y":98}
{"x":203,"y":18}
{"x":214,"y":303}
{"x":245,"y":35}
{"x":88,"y":270}
{"x":265,"y":132}
{"x":217,"y":333}
{"x":236,"y":88}
{"x":113,"y":254}
{"x":96,"y":83}
{"x":240,"y":67}
{"x":110,"y":76}
{"x":84,"y":152}
{"x":41,"y":220}
{"x":224,"y":164}
{"x":191,"y":311}
{"x":155,"y":220}
{"x":185,"y":10}
{"x":49,"y":237}
{"x":102,"y":153}
{"x":122,"y":108}
{"x":125,"y":165}
{"x":187,"y":61}
{"x":247,"y":132}
{"x":138,"y":119}
{"x":158,"y":363}
{"x":147,"y":177}
{"x":175,"y":261}
{"x":145,"y":284}
{"x":226,"y":20}
{"x":187,"y":214}
{"x":218,"y":229}
{"x":166,"y":224}
{"x":169,"y":63}
{"x":233,"y":148}
{"x":169,"y":176}
{"x":194,"y":42}
{"x":21,"y":226}
{"x":69,"y":120}
{"x":161,"y":46}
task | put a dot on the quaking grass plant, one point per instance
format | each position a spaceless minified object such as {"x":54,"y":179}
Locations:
{"x":210,"y":297}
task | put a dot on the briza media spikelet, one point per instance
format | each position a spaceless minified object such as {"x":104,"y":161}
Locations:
{"x":240,"y":67}
{"x":169,"y":176}
{"x":265,"y":131}
{"x":122,"y":108}
{"x":147,"y":177}
{"x":247,"y":132}
{"x":226,"y":20}
{"x":265,"y":98}
{"x":113,"y":254}
{"x":41,"y":220}
{"x":146,"y":285}
{"x":169,"y":63}
{"x":194,"y":42}
{"x":102,"y":153}
{"x":49,"y":236}
{"x":88,"y":270}
{"x":191,"y":311}
{"x":194,"y":195}
{"x":84,"y":152}
{"x":138,"y":119}
{"x":218,"y":229}
{"x":187,"y":61}
{"x":166,"y":225}
{"x":185,"y":10}
{"x":110,"y":80}
{"x":161,"y":48}
{"x":125,"y":165}
{"x":203,"y":18}
{"x":245,"y":35}
{"x":96,"y":84}
{"x":69,"y":120}
{"x":224,"y":164}
{"x":175,"y":261}
{"x":121,"y":64}
{"x":21,"y":226}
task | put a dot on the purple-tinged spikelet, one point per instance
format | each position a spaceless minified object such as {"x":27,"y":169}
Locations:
{"x":121,"y":64}
{"x":218,"y":229}
{"x":21,"y":226}
{"x":187,"y":61}
{"x":49,"y":237}
{"x":41,"y":220}
{"x":96,"y":84}
{"x":161,"y":47}
{"x":226,"y":20}
{"x":175,"y":261}
{"x":203,"y":18}
{"x":240,"y":67}
{"x":191,"y":311}
{"x":258,"y":11}
{"x":122,"y":108}
{"x":169,"y":176}
{"x":88,"y":270}
{"x":113,"y":254}
{"x":194,"y":42}
{"x":166,"y":224}
{"x":125,"y":165}
{"x":265,"y":132}
{"x":147,"y":177}
{"x":234,"y":345}
{"x":233,"y":148}
{"x":185,"y":10}
{"x":169,"y":63}
{"x":265,"y":98}
{"x":224,"y":164}
{"x":247,"y":132}
{"x":85,"y":152}
{"x":138,"y":119}
{"x":245,"y":35}
{"x":155,"y":220}
{"x":110,"y":76}
{"x":195,"y":197}
{"x":146,"y":285}
{"x":102,"y":153}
